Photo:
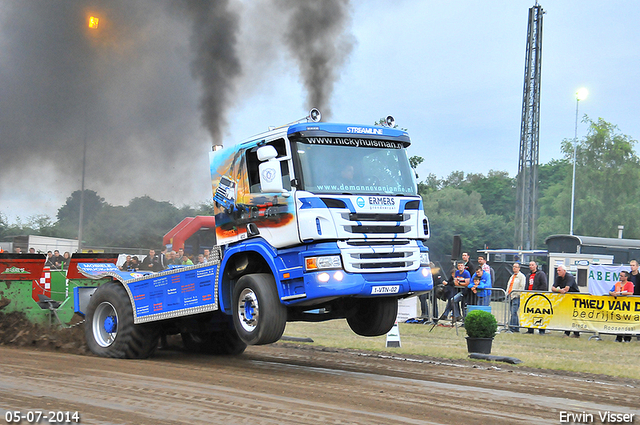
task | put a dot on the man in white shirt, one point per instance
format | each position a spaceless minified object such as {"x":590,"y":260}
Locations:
{"x":516,"y":283}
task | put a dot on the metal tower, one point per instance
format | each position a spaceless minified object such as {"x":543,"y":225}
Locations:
{"x":527,"y":190}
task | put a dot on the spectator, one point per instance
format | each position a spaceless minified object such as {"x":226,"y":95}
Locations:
{"x":56,"y":260}
{"x":17,"y":250}
{"x":186,"y":261}
{"x":66,"y":258}
{"x":49,"y":261}
{"x":32,"y":250}
{"x":135,"y":263}
{"x":634,"y":277}
{"x":127,"y":265}
{"x":482,"y":261}
{"x":462,"y":280}
{"x":163,"y":257}
{"x":174,"y":259}
{"x":449,"y":293}
{"x":565,"y":282}
{"x":169,"y":258}
{"x":468,"y":265}
{"x":201,"y":259}
{"x":537,"y":281}
{"x":437,"y":283}
{"x":207,"y":254}
{"x":151,"y":262}
{"x":180,"y":255}
{"x":481,"y":285}
{"x":516,"y":283}
{"x":621,"y":289}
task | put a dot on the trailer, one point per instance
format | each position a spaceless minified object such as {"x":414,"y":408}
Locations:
{"x":313,"y":221}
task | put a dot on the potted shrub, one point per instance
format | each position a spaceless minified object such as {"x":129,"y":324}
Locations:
{"x":481,"y":327}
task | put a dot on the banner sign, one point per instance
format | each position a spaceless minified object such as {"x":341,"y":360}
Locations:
{"x":602,"y":278}
{"x":175,"y":292}
{"x":580,"y":312}
{"x":25,"y":267}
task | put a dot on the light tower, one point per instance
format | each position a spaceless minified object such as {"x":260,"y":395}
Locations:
{"x":527,"y":189}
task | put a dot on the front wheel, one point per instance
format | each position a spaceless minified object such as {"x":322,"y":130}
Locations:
{"x":109,"y":329}
{"x":373,"y":316}
{"x":258,"y":315}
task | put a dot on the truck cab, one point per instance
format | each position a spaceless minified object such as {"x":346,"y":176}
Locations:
{"x":329,"y":219}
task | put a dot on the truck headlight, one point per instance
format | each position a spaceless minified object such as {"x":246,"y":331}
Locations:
{"x":324,"y":262}
{"x":424,"y":259}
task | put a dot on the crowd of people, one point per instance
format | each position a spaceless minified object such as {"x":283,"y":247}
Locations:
{"x":468,"y":285}
{"x":157,"y":262}
{"x":55,"y":261}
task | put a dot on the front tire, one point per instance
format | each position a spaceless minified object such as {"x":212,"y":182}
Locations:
{"x":258,"y":315}
{"x":109,"y":329}
{"x":373,"y":316}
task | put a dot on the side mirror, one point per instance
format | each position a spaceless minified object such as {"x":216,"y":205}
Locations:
{"x":266,"y":153}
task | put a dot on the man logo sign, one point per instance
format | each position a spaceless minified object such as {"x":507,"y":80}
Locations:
{"x":537,"y":311}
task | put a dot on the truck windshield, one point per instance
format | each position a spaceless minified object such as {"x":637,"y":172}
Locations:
{"x":329,"y":168}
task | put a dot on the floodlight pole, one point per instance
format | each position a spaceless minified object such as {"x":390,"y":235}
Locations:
{"x":573,"y":180}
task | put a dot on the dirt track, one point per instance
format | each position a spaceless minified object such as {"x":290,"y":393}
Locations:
{"x":290,"y":384}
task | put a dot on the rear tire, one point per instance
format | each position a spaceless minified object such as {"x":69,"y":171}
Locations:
{"x":373,"y":316}
{"x":258,"y":315}
{"x":109,"y":329}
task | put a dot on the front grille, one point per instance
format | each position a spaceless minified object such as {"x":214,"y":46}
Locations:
{"x":380,"y":256}
{"x":376,"y":217}
{"x":380,"y":242}
{"x":376,"y":223}
{"x":378,"y":229}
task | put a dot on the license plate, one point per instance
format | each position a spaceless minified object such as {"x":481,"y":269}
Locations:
{"x":389,"y":289}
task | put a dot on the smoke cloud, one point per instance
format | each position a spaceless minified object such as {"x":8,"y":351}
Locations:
{"x":216,"y":64}
{"x":150,"y":89}
{"x":317,"y":38}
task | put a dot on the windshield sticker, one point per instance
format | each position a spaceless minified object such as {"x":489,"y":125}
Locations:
{"x":364,"y":188}
{"x":347,"y":141}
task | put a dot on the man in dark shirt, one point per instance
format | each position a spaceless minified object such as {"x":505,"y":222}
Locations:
{"x":152,"y":262}
{"x":565,"y":282}
{"x":468,"y":265}
{"x":536,"y":281}
{"x":634,"y":277}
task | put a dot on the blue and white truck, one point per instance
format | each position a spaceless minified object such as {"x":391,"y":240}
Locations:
{"x":314,"y":221}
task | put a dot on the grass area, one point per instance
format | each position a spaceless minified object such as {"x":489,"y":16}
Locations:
{"x":551,"y":351}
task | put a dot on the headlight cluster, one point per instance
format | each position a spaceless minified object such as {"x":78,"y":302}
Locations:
{"x":323,"y":263}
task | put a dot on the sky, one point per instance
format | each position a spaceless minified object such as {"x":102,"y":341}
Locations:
{"x":159,"y":82}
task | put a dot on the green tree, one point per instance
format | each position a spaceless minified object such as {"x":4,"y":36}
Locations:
{"x":452,"y":211}
{"x":607,"y":172}
{"x":41,"y":224}
{"x":4,"y":225}
{"x":141,"y":224}
{"x":497,"y":190}
{"x":69,"y":214}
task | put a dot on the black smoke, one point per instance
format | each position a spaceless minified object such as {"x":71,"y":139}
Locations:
{"x":316,"y":34}
{"x":150,"y":89}
{"x":216,"y":64}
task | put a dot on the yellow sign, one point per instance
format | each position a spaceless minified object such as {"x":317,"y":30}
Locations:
{"x":576,"y":312}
